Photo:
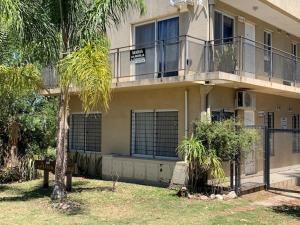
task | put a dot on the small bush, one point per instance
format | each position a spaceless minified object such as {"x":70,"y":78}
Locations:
{"x":212,"y":143}
{"x":23,"y":171}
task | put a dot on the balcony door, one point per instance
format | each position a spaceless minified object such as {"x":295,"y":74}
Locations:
{"x":145,"y":39}
{"x":249,"y":53}
{"x":160,"y":40}
{"x":224,"y":47}
{"x":168,"y":38}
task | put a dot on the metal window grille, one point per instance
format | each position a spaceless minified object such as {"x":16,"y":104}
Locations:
{"x":85,"y":132}
{"x":154,"y":133}
{"x":166,"y":134}
{"x":143,"y":127}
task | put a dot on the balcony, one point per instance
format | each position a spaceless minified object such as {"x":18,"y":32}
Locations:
{"x":190,"y":59}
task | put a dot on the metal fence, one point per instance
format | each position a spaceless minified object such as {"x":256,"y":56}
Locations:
{"x":273,"y":163}
{"x":283,"y":165}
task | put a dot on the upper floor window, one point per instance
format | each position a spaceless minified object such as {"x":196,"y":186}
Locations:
{"x":160,"y":39}
{"x":224,"y":27}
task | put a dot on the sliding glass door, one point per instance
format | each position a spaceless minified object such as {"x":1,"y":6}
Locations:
{"x":160,"y":42}
{"x":168,"y":37}
{"x":145,"y":39}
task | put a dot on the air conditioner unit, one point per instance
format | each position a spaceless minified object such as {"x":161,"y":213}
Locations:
{"x":245,"y":100}
{"x":182,"y":5}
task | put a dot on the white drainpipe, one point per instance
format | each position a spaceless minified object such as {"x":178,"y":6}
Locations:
{"x":186,"y":123}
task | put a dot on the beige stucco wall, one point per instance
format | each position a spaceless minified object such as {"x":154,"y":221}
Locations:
{"x":193,"y":23}
{"x":290,"y":6}
{"x":116,"y":122}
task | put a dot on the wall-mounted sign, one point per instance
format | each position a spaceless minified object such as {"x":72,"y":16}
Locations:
{"x":138,"y":55}
{"x":283,"y":123}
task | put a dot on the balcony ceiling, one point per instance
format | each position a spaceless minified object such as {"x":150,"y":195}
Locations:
{"x":268,"y":13}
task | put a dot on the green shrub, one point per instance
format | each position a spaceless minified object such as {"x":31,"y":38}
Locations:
{"x":210,"y":144}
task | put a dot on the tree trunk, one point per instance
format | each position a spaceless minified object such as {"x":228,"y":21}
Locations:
{"x":59,"y":191}
{"x":14,"y":137}
{"x":14,"y":155}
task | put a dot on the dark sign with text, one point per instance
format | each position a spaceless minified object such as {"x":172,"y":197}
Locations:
{"x":138,"y":55}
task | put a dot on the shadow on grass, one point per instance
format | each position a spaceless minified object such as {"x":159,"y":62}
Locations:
{"x":68,"y":207}
{"x":37,"y":192}
{"x":90,"y":189}
{"x":289,"y":210}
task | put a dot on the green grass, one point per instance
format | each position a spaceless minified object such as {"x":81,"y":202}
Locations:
{"x":28,"y":203}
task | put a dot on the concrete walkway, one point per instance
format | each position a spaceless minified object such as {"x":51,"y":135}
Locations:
{"x":279,"y":178}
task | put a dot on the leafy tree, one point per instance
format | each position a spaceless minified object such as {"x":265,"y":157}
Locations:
{"x":71,"y":35}
{"x":210,"y":145}
{"x":16,"y":82}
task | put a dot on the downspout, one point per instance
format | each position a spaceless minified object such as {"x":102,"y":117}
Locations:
{"x":186,"y":119}
{"x":186,"y":95}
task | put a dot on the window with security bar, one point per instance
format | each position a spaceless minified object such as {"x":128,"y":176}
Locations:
{"x":85,"y":132}
{"x":154,"y":134}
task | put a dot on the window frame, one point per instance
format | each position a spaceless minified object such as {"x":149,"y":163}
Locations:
{"x":132,"y":134}
{"x":155,"y":21}
{"x":222,"y":31}
{"x":222,"y":111}
{"x":70,"y":136}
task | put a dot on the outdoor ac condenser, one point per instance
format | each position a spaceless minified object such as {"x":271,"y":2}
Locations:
{"x":245,"y":100}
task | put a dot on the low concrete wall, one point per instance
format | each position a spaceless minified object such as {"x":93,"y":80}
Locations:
{"x":143,"y":171}
{"x":87,"y":163}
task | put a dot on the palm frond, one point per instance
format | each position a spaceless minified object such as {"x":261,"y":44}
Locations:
{"x":88,"y":69}
{"x":19,"y":79}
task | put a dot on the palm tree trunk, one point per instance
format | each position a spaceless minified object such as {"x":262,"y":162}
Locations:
{"x":59,"y":191}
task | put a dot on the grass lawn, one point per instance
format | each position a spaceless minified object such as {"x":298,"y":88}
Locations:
{"x":27,"y":203}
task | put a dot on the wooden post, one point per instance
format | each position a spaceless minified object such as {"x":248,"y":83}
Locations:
{"x":46,"y":179}
{"x":69,"y":182}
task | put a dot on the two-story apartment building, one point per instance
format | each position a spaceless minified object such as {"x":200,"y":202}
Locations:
{"x":185,"y":60}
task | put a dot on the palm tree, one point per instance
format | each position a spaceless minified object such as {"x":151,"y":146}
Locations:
{"x":70,"y":34}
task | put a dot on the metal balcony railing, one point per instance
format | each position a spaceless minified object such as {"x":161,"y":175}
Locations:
{"x":185,"y":55}
{"x":168,"y":58}
{"x":253,"y":59}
